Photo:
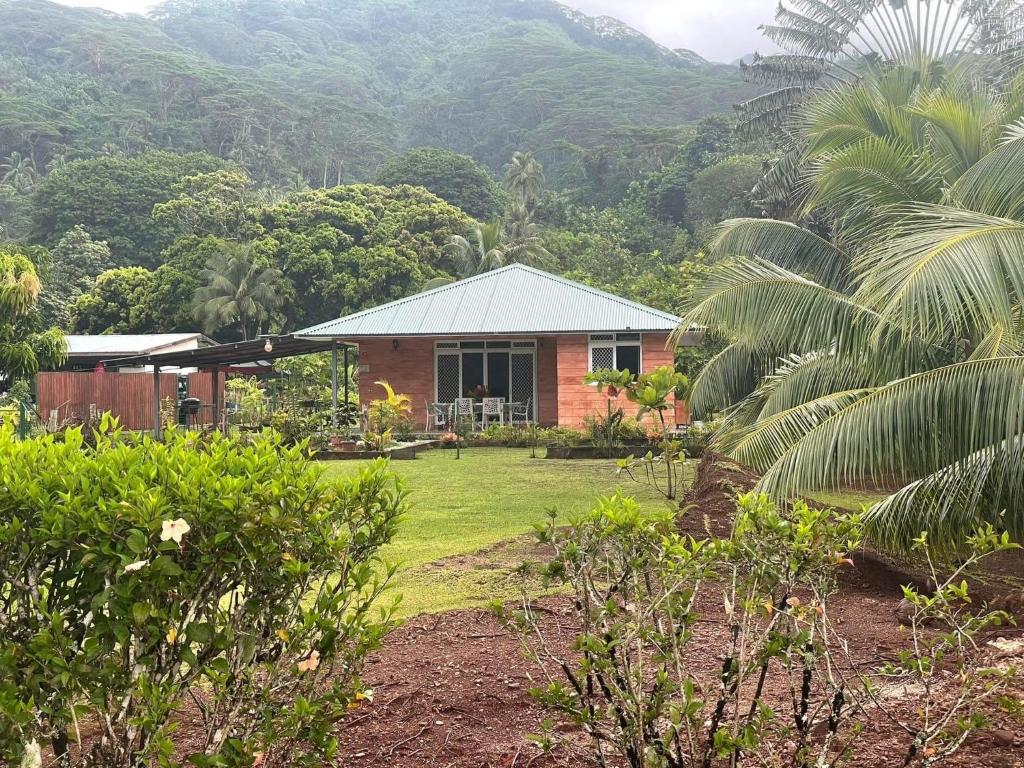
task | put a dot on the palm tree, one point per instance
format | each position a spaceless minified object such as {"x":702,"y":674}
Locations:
{"x":889,"y":349}
{"x":831,"y":44}
{"x":18,"y":172}
{"x":524,"y":179}
{"x":238,"y":291}
{"x":493,"y":245}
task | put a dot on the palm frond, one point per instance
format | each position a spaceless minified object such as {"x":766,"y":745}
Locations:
{"x":994,"y":185}
{"x":940,"y":271}
{"x":770,"y":308}
{"x":984,"y":487}
{"x":769,"y":438}
{"x":725,"y":379}
{"x":907,"y":429}
{"x":783,"y":244}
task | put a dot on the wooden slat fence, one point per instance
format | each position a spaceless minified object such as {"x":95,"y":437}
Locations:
{"x":129,"y":396}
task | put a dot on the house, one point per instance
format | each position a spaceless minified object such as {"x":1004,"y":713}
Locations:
{"x":525,"y":335}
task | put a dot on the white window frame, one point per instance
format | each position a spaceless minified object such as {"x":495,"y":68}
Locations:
{"x":602,"y":341}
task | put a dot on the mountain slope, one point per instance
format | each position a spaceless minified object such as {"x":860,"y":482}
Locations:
{"x":328,"y":88}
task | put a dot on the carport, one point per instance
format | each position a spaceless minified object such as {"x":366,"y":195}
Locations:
{"x":216,"y":358}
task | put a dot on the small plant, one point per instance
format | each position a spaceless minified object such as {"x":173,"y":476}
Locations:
{"x":635,"y":582}
{"x":245,"y":397}
{"x":385,"y":417}
{"x":611,"y":383}
{"x":656,"y":393}
{"x":943,"y":627}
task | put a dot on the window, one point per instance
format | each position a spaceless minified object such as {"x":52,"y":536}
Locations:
{"x":620,"y":351}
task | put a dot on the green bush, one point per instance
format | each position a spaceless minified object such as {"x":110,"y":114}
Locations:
{"x":136,"y":574}
{"x":636,"y":681}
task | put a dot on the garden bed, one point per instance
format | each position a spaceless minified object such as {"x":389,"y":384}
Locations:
{"x":596,"y":452}
{"x":400,"y":451}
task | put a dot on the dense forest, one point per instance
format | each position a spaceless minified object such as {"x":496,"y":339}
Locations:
{"x":333,"y":154}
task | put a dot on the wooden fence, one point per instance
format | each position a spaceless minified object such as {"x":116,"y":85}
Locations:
{"x":129,"y":396}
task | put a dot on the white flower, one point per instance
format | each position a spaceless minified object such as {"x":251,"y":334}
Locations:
{"x":173,"y":530}
{"x":138,"y":565}
{"x":33,"y":757}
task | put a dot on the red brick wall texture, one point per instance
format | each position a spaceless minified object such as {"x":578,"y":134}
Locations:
{"x":562,"y":397}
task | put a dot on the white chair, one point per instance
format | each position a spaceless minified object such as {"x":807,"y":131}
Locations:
{"x":463,"y":410}
{"x":493,"y":406}
{"x":439,"y":416}
{"x":519,"y":413}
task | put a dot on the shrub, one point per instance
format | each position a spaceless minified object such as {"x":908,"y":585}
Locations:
{"x":136,"y":574}
{"x":635,"y":685}
{"x":386,"y":417}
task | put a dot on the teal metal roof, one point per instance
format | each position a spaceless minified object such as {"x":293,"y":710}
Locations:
{"x":512,"y":300}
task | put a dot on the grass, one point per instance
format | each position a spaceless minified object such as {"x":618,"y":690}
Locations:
{"x":468,"y":526}
{"x":852,"y":499}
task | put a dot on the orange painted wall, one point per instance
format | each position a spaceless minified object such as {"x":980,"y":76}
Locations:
{"x":409,"y":369}
{"x":576,"y":400}
{"x":547,"y":381}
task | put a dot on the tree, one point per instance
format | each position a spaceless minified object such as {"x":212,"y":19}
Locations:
{"x":113,"y":303}
{"x":76,"y":262}
{"x":456,"y":178}
{"x":24,"y":346}
{"x":722,"y":191}
{"x":18,"y":172}
{"x":348,"y":248}
{"x":113,"y":198}
{"x":216,"y":203}
{"x":524,"y":179}
{"x":891,"y":350}
{"x":238,"y":291}
{"x":490,"y":246}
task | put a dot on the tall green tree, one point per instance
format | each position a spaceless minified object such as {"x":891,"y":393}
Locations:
{"x":113,"y":198}
{"x":18,"y":172}
{"x":76,"y":262}
{"x":490,"y":246}
{"x":524,"y":179}
{"x":456,"y":178}
{"x":240,"y":293}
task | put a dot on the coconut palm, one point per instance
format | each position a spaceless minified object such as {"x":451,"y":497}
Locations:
{"x":238,"y":292}
{"x":524,"y":179}
{"x":891,"y":349}
{"x":18,"y":172}
{"x":493,"y":245}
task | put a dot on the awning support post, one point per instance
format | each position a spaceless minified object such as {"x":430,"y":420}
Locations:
{"x":156,"y":402}
{"x":345,"y":370}
{"x":334,"y":389}
{"x":215,"y":398}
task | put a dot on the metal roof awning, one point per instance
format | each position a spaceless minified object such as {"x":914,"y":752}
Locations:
{"x":230,"y":354}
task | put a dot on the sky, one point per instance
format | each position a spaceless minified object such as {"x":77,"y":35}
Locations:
{"x":719,"y":30}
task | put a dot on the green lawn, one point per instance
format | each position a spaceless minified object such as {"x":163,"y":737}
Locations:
{"x":466,"y":529}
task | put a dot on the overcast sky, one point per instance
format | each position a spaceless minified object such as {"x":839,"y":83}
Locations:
{"x":720,"y":30}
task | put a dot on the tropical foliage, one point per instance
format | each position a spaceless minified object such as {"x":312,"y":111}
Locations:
{"x":24,"y":345}
{"x":882,"y":342}
{"x":239,"y":291}
{"x":231,"y":576}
